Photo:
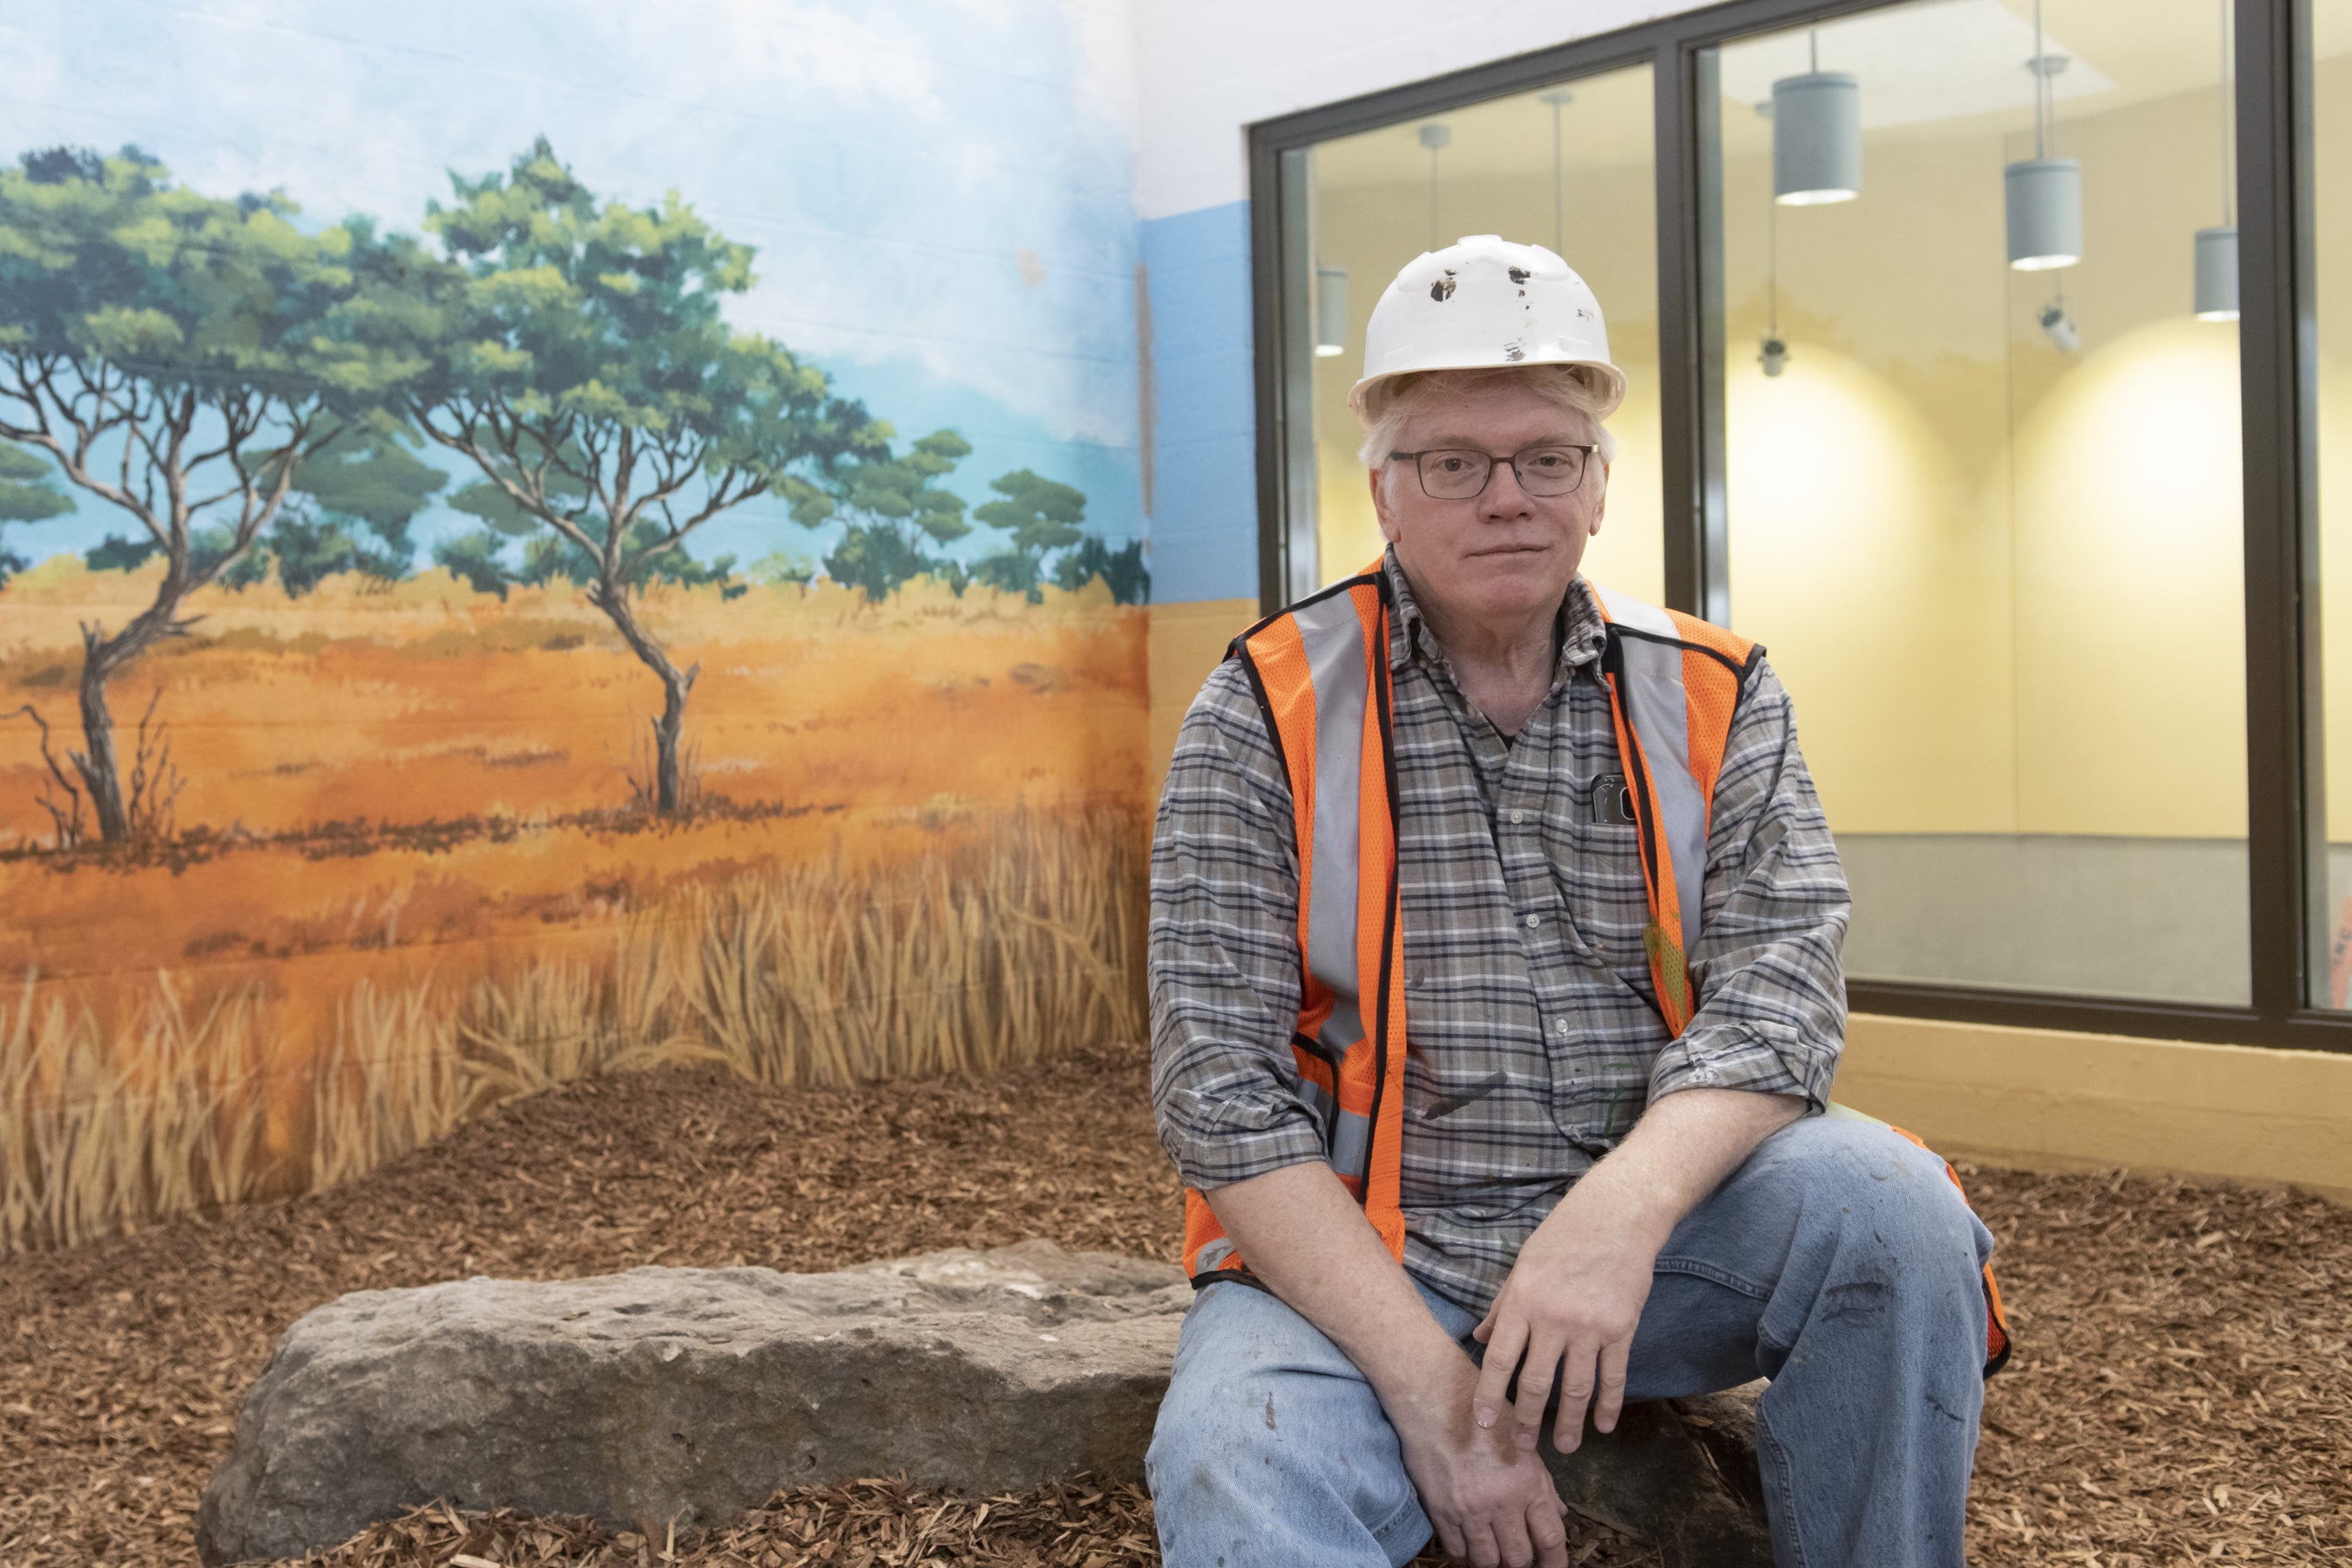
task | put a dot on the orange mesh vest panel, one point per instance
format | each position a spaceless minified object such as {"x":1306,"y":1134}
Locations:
{"x":1320,"y":671}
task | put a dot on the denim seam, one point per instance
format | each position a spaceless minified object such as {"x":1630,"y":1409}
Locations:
{"x":1412,"y":1504}
{"x":1787,"y":1488}
{"x":1713,"y":1275}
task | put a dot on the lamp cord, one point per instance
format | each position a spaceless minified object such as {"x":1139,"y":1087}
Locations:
{"x":1433,"y":198}
{"x":1557,"y":201}
{"x":2224,"y":95}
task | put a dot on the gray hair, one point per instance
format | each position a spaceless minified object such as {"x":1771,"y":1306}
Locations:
{"x":1391,"y":403}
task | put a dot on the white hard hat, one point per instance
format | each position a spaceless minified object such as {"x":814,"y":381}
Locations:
{"x":1485,"y":303}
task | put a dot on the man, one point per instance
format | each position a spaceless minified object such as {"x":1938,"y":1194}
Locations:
{"x":1567,"y":844}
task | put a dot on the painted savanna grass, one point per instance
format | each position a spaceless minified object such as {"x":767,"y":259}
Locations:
{"x":1013,"y":948}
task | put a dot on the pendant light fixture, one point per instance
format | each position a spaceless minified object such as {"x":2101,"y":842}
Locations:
{"x":1437,"y":137}
{"x":1774,"y":355}
{"x":1331,"y":311}
{"x":1560,"y":98}
{"x":1816,"y":135}
{"x":2044,"y":195}
{"x":2217,"y":249}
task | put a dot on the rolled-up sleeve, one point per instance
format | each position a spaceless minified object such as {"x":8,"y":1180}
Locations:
{"x":1771,"y":983}
{"x":1222,"y":956}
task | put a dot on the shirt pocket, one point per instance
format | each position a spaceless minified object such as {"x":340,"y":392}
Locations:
{"x":1601,"y":886}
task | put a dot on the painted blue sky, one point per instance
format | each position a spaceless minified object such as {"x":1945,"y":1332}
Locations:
{"x":940,"y":191}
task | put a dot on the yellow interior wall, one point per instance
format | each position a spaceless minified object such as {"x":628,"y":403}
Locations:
{"x":2004,"y":584}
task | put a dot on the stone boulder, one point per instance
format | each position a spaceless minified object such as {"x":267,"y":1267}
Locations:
{"x":1678,"y":1472}
{"x":692,"y":1394}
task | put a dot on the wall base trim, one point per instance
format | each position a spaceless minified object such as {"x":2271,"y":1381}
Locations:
{"x":2048,"y":1099}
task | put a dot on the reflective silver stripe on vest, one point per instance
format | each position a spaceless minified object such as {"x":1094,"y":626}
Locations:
{"x":1333,"y":635}
{"x":1658,"y":710}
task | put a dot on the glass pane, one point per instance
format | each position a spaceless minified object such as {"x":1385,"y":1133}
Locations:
{"x":2329,"y":73}
{"x":1570,"y":167}
{"x":1982,"y":479}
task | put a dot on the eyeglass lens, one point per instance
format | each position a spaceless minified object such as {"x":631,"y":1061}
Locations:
{"x":1540,"y":470}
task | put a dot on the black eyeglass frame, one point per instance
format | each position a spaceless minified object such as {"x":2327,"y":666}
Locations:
{"x":1493,"y":459}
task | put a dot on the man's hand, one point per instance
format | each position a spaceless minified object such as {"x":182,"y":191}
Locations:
{"x":1574,"y":1297}
{"x":1569,"y":1311}
{"x":1307,"y":1239}
{"x":1489,"y":1502}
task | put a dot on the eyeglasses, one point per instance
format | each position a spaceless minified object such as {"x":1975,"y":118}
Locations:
{"x":1553,"y":469}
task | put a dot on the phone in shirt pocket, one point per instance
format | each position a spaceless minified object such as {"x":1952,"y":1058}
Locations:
{"x":1610,"y":803}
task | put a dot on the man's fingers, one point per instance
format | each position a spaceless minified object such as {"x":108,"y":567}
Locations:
{"x":1576,"y":1382}
{"x":1536,"y":1374}
{"x":1511,"y":1535}
{"x":1449,"y":1536}
{"x":1485,"y":1326}
{"x":1547,"y":1529}
{"x":1510,"y":1337}
{"x":1611,"y":1398}
{"x":1484,"y":1549}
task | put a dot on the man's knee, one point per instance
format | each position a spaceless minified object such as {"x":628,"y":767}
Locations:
{"x":1266,"y":1428}
{"x":1880,"y":1216}
{"x":1243,"y":1357}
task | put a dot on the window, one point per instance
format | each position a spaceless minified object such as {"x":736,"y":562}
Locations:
{"x":1946,"y":391}
{"x":2329,"y":80}
{"x":1983,"y":485}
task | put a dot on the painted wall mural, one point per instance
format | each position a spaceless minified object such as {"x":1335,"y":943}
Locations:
{"x":549,"y":539}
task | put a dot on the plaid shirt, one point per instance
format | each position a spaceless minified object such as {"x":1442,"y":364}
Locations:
{"x":1535,"y":1040}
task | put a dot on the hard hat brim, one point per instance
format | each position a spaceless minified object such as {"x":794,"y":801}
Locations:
{"x":1613,"y":379}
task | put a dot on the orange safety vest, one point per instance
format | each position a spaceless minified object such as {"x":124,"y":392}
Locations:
{"x":1321,"y":672}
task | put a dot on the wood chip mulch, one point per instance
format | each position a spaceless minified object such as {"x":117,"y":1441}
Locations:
{"x":2182,"y":1393}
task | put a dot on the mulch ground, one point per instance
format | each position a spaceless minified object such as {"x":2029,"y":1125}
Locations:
{"x":2183,"y":1389}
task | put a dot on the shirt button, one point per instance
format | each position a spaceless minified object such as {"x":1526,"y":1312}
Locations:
{"x":1560,"y":1027}
{"x":1517,"y":818}
{"x":1535,"y":920}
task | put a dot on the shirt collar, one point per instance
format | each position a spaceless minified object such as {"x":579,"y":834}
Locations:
{"x":1579,"y":631}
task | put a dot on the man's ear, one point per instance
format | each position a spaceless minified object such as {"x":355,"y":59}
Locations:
{"x":1380,"y":505}
{"x":1601,"y":510}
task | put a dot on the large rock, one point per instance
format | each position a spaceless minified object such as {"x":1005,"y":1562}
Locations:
{"x":1680,"y":1472}
{"x":693,"y":1394}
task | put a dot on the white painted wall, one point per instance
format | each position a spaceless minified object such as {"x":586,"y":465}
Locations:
{"x":1209,"y":69}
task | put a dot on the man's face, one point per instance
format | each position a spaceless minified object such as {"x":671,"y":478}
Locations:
{"x":1503,"y":554}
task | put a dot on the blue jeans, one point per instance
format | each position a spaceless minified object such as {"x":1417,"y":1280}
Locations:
{"x":1839,"y":1261}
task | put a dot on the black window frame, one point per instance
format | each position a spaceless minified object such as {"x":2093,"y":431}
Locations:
{"x":2277,"y":336}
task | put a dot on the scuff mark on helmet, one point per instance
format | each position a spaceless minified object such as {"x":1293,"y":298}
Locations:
{"x":1443,"y":289}
{"x":1520,"y":274}
{"x":1515,"y":352}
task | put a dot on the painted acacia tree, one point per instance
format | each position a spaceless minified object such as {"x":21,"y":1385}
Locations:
{"x":178,"y":357}
{"x":893,"y":507}
{"x":588,"y":375}
{"x":351,"y":509}
{"x":1042,"y":515}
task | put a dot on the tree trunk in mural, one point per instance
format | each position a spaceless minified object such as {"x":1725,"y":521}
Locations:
{"x":143,"y":810}
{"x":260,"y":486}
{"x":668,"y":793}
{"x":176,"y":358}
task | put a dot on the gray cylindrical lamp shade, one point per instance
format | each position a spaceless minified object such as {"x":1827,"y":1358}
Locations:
{"x":2217,"y":274}
{"x":2044,"y":197}
{"x":1816,"y":139}
{"x":1331,"y":311}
